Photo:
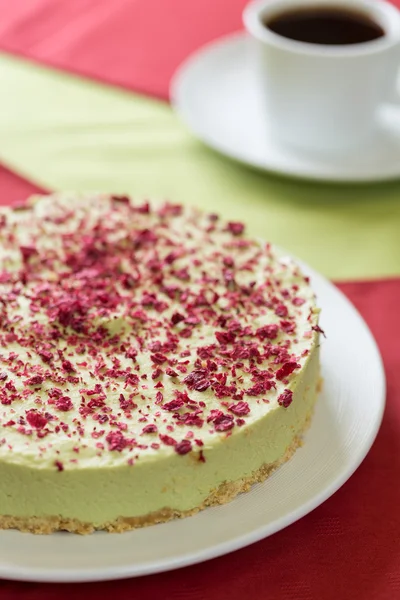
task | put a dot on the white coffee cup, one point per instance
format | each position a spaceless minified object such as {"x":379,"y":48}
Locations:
{"x":325,"y":97}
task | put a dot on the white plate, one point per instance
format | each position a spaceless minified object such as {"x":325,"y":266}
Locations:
{"x":215,"y":92}
{"x":345,"y":424}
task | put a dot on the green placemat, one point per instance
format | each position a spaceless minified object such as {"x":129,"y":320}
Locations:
{"x":64,"y":132}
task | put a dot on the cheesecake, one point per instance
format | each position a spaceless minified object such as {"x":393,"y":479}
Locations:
{"x":154,"y":361}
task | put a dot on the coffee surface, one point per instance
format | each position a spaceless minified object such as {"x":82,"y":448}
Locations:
{"x":325,"y":25}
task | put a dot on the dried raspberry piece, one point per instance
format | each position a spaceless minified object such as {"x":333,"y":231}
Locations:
{"x":224,"y":391}
{"x":225,"y":337}
{"x":167,"y":440}
{"x":224,"y":423}
{"x":228,"y":261}
{"x":125,"y":403}
{"x":45,"y":355}
{"x":27,"y":252}
{"x":186,"y":333}
{"x":171,"y":257}
{"x":191,"y":418}
{"x":59,"y":465}
{"x":121,"y":199}
{"x":286,"y":369}
{"x":298,"y":301}
{"x":198,"y":380}
{"x":150,"y":428}
{"x":116,"y":441}
{"x":173,"y":405}
{"x":67,"y":366}
{"x":35,"y":380}
{"x":158,"y":358}
{"x":183,"y":447}
{"x":55,"y":393}
{"x":268,"y":332}
{"x":144,"y":208}
{"x":131,"y":353}
{"x":214,"y":414}
{"x":183,"y":396}
{"x":239,"y":409}
{"x":260,"y":388}
{"x":132,"y":379}
{"x":64,"y":403}
{"x":281,"y":310}
{"x":288,"y":326}
{"x":236,"y":228}
{"x":285,"y":399}
{"x":156,"y":373}
{"x":318,"y":329}
{"x":177,"y":318}
{"x":35,"y":419}
{"x":206,"y":351}
{"x":171,"y":373}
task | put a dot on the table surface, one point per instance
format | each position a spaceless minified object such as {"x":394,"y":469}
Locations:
{"x":84,"y":106}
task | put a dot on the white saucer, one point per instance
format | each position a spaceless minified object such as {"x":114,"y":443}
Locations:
{"x":345,"y":424}
{"x":215,"y":92}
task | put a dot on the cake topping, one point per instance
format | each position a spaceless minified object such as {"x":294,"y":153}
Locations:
{"x":285,"y":399}
{"x":120,"y":321}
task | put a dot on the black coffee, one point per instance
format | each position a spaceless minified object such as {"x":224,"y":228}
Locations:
{"x":325,"y":25}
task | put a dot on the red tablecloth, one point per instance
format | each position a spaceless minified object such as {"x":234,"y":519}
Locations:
{"x":14,"y":189}
{"x":347,"y":548}
{"x":136,"y":44}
